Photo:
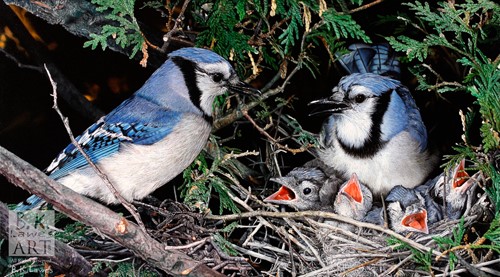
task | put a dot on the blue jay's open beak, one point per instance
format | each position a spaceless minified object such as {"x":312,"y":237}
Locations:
{"x":327,"y":106}
{"x":243,"y":88}
{"x":353,"y":189}
{"x":416,"y":221}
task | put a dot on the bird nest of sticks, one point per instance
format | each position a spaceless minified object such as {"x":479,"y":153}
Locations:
{"x":263,"y":240}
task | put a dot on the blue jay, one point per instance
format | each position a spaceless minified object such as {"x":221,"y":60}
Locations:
{"x":406,"y":197}
{"x":451,"y":188}
{"x":407,"y":210}
{"x":354,"y":199}
{"x":374,"y":129}
{"x":154,"y":135}
{"x":305,"y":188}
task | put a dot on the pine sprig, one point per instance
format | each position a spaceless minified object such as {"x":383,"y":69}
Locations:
{"x":459,"y":28}
{"x":126,"y":32}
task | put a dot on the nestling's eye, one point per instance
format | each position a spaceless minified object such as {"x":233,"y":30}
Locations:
{"x":359,"y":98}
{"x":217,"y":77}
{"x":307,"y":191}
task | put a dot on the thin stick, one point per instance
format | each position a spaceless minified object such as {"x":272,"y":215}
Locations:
{"x":103,"y":176}
{"x":175,"y":29}
{"x":364,"y":7}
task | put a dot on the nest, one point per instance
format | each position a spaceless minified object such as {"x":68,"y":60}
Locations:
{"x":267,"y":242}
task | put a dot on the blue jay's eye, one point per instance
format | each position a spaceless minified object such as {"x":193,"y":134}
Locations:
{"x":307,"y":191}
{"x":359,"y":98}
{"x":217,"y":77}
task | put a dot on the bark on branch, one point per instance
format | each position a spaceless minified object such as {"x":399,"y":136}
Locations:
{"x":89,"y":212}
{"x":65,"y":258}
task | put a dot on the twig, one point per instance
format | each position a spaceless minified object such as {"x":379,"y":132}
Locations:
{"x":372,"y":261}
{"x":366,"y":6}
{"x":20,"y":64}
{"x":238,"y":113}
{"x":193,"y":244}
{"x":268,"y":136}
{"x":462,"y":247}
{"x":479,"y":266}
{"x":175,"y":29}
{"x":346,"y":233}
{"x":394,"y":267}
{"x":103,"y":176}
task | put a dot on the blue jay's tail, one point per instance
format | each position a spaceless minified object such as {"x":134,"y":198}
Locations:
{"x":379,"y":59}
{"x":29,"y":204}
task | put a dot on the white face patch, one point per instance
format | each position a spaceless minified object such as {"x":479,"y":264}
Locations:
{"x":354,"y":125}
{"x":208,"y":84}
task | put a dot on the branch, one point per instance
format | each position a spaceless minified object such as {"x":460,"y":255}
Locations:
{"x":65,"y":257}
{"x":91,"y":213}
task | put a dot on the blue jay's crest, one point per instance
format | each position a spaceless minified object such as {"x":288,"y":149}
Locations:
{"x":379,"y":59}
{"x":197,"y":55}
{"x":155,"y":134}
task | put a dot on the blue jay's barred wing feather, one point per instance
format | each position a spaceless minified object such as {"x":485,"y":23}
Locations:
{"x":416,"y":126}
{"x":105,"y":138}
{"x":29,"y":204}
{"x":379,"y":59}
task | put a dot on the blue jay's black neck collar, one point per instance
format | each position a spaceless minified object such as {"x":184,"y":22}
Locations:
{"x":373,"y":143}
{"x":188,"y":69}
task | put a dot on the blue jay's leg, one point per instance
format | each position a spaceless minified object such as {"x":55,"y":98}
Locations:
{"x":31,"y":203}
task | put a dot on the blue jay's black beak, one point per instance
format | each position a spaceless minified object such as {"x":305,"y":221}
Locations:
{"x":327,"y":106}
{"x":243,"y":88}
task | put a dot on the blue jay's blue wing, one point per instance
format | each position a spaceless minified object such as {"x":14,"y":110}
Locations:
{"x":30,"y":203}
{"x":416,"y":127}
{"x":379,"y":59}
{"x":106,"y":136}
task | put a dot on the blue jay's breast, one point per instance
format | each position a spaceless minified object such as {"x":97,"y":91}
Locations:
{"x":140,"y":169}
{"x":399,"y":162}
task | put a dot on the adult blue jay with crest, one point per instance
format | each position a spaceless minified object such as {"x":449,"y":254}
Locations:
{"x":374,"y":128}
{"x":152,"y":136}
